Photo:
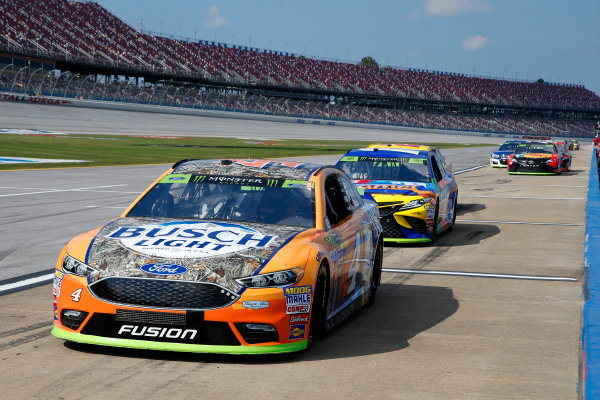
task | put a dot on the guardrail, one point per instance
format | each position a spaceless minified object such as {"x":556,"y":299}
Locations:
{"x":590,"y":336}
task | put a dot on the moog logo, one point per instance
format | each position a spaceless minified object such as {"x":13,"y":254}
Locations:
{"x":163,"y":269}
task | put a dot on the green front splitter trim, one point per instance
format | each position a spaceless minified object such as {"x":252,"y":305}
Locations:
{"x":406,"y":240}
{"x":498,"y":166}
{"x":532,"y":173}
{"x":184,"y":347}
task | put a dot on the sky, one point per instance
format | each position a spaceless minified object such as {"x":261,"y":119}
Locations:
{"x":555,"y":40}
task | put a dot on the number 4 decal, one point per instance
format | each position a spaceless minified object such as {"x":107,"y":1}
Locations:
{"x":76,"y":295}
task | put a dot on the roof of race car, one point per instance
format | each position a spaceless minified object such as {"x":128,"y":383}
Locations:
{"x":388,"y":152}
{"x":401,"y":146}
{"x":276,"y":169}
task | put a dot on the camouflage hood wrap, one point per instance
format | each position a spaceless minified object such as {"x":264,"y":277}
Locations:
{"x":194,"y":250}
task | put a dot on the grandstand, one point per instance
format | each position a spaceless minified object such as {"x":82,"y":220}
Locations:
{"x":90,"y":46}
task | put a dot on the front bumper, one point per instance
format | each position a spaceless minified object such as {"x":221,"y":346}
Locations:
{"x":218,"y":330}
{"x":532,"y":167}
{"x":498,"y":163}
{"x":410,"y":226}
{"x":183,"y":347}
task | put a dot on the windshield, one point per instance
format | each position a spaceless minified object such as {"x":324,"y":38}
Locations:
{"x":229,"y":198}
{"x":535,"y":148}
{"x":389,"y":169}
{"x":509,"y":146}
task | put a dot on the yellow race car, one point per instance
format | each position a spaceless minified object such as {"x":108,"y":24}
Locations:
{"x":223,"y":256}
{"x":416,"y":193}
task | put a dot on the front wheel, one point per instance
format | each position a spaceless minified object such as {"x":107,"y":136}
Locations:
{"x":435,"y":223}
{"x":319,"y":307}
{"x":376,"y":275}
{"x":451,"y":227}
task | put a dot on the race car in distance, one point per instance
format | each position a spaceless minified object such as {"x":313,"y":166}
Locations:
{"x":536,"y":158}
{"x":498,"y":158}
{"x":416,"y":195}
{"x":223,"y":256}
{"x":563,"y":150}
{"x":575,"y":144}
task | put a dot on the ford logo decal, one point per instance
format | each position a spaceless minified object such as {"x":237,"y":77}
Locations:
{"x":163,"y":269}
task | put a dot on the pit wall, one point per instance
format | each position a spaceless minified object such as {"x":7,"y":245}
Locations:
{"x":590,"y":337}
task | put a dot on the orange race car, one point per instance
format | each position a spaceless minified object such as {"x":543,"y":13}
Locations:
{"x":223,"y":256}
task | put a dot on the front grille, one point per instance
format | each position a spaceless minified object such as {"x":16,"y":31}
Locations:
{"x":503,"y":161}
{"x":417,"y":224}
{"x":151,"y":317}
{"x":391,"y":229}
{"x":386,"y":211}
{"x":162,"y":293}
{"x":535,"y":167}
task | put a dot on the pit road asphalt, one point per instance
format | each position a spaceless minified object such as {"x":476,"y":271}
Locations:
{"x":427,"y":337}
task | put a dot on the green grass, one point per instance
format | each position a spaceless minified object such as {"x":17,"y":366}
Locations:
{"x":104,"y":150}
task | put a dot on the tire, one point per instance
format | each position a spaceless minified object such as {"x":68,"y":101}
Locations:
{"x":376,"y":276}
{"x":435,"y":223}
{"x":319,"y":307}
{"x":451,"y":227}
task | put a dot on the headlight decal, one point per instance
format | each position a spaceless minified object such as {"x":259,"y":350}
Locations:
{"x":273,"y":279}
{"x":76,"y":267}
{"x":416,"y":203}
{"x":259,"y":269}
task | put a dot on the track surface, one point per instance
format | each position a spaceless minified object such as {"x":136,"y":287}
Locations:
{"x":427,"y":336}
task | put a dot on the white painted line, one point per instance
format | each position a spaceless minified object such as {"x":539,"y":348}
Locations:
{"x":29,"y":160}
{"x":120,"y":208}
{"x":471,"y":169}
{"x":528,"y":185}
{"x":58,"y":190}
{"x":523,"y":197}
{"x":517,"y":222}
{"x":26,"y":282}
{"x":480,"y":275}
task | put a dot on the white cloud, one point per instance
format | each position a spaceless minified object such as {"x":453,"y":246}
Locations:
{"x":451,"y":8}
{"x":474,"y":43}
{"x":215,"y":19}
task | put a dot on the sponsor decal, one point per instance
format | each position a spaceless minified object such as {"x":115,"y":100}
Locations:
{"x":164,"y":269}
{"x":255,"y":304}
{"x":297,"y":309}
{"x":297,"y":299}
{"x":157,"y":332}
{"x":190,"y":239}
{"x":299,"y":318}
{"x":32,"y":99}
{"x":58,"y":277}
{"x":268,"y":163}
{"x":319,"y":256}
{"x":297,"y":331}
{"x":333,"y":239}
